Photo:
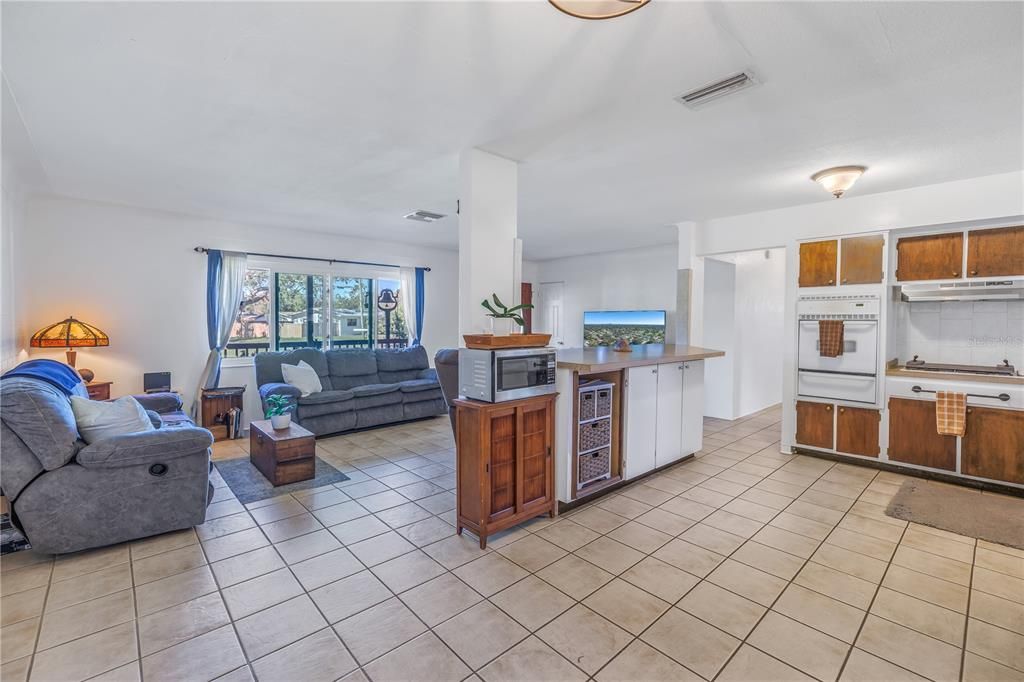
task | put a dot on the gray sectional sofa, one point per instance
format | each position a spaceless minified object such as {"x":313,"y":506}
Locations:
{"x":361,"y":388}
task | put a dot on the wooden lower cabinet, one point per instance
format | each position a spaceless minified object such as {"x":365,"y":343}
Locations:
{"x":814,"y":424}
{"x":913,"y":438}
{"x":993,"y":445}
{"x":505,"y":468}
{"x":857,"y":431}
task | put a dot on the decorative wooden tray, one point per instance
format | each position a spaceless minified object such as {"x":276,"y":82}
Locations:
{"x":493,"y":341}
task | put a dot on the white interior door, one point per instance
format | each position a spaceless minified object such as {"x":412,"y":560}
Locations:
{"x":692,"y":433}
{"x":550,"y":308}
{"x":668,"y":444}
{"x":641,"y":420}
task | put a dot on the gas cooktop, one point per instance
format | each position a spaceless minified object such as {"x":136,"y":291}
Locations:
{"x":1003,"y":370}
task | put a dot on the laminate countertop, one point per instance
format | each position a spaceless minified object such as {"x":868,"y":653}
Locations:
{"x":604,"y":359}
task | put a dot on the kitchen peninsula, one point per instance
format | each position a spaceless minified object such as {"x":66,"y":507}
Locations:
{"x":621,"y":415}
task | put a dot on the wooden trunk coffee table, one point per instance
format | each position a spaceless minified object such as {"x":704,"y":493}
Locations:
{"x":283,"y":456}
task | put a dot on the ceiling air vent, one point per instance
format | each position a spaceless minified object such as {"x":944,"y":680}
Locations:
{"x":712,"y":91}
{"x":424,"y":216}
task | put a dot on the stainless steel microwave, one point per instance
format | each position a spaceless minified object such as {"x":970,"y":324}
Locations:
{"x":495,"y":376}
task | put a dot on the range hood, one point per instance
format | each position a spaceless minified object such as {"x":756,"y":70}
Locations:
{"x":1002,"y":290}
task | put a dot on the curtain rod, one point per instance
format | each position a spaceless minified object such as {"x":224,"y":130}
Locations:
{"x":203,"y":249}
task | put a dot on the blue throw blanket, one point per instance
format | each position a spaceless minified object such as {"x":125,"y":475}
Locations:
{"x":55,"y":373}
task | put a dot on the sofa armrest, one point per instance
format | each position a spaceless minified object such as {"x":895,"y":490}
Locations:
{"x":133,"y":449}
{"x":428,"y":373}
{"x":160,"y":402}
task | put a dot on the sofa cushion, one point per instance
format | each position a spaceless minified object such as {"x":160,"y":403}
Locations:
{"x":351,"y":368}
{"x":268,"y":365}
{"x":101,"y":420}
{"x":417,"y":385}
{"x":376,"y":395}
{"x":41,"y":416}
{"x":303,"y":377}
{"x":326,"y":397}
{"x":401,"y":365}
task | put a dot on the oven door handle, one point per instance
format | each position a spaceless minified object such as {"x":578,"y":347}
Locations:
{"x":1005,"y":397}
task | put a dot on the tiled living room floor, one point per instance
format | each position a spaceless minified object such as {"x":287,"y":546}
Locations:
{"x":742,"y":565}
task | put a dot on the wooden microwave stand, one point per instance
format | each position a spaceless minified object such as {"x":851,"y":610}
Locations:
{"x":505,"y":472}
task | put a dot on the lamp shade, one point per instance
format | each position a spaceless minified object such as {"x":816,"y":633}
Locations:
{"x":69,"y":333}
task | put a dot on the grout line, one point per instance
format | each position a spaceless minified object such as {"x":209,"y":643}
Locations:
{"x":967,"y":613}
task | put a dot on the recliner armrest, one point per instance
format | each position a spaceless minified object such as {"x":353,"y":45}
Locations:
{"x":133,"y":449}
{"x":267,"y":390}
{"x":160,"y":402}
{"x":428,"y":373}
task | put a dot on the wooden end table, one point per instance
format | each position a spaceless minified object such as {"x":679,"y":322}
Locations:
{"x":283,"y":456}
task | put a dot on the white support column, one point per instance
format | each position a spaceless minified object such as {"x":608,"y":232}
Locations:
{"x":488,"y":194}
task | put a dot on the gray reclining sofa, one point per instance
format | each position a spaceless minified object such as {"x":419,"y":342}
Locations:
{"x":68,"y":496}
{"x":361,"y":388}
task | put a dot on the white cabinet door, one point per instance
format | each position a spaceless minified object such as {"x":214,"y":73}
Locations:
{"x":668,"y":444}
{"x":693,"y":407}
{"x":641,"y":420}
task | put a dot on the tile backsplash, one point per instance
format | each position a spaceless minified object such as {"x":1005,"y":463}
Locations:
{"x":965,"y":332}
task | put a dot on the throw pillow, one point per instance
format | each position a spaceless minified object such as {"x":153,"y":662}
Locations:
{"x":303,"y":377}
{"x":98,"y":420}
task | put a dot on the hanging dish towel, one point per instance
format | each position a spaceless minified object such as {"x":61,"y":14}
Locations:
{"x":950,"y":413}
{"x":830,"y":338}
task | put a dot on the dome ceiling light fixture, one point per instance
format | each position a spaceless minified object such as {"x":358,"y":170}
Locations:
{"x":839,"y":179}
{"x":598,"y":9}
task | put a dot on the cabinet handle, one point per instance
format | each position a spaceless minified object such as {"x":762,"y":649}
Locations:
{"x":842,"y":410}
{"x":654,"y":371}
{"x":970,"y":411}
{"x":974,"y":272}
{"x":845,"y":280}
{"x":828,"y":408}
{"x":831,"y":281}
{"x":956,"y":274}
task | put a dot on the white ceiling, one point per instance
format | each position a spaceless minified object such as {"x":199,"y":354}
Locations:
{"x":343,"y":117}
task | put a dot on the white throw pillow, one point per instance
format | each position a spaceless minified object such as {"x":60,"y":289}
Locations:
{"x":98,"y":420}
{"x":302,"y":376}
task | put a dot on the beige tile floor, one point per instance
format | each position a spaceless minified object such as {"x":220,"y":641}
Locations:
{"x":743,"y":564}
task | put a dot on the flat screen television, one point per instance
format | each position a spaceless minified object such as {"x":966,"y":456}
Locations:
{"x":605,"y":327}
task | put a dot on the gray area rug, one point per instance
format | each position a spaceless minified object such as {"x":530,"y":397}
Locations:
{"x":967,"y":511}
{"x":249,"y":485}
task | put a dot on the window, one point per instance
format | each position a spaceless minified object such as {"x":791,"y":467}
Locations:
{"x":251,"y":331}
{"x":282,"y":310}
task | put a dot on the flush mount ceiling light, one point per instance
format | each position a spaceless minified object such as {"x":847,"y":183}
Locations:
{"x":598,"y":9}
{"x":839,"y":179}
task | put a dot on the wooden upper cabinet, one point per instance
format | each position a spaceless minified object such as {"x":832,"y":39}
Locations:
{"x":914,"y":438}
{"x":992,"y":253}
{"x":818,"y":263}
{"x":993,"y":444}
{"x":930,"y":256}
{"x":861,"y":260}
{"x":857,"y":431}
{"x":814,"y":424}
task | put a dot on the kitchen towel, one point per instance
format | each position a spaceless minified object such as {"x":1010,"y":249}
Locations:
{"x":830,"y":338}
{"x":950,"y":413}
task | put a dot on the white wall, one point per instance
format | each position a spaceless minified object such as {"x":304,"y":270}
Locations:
{"x":744,"y":306}
{"x":132,"y":273}
{"x":760,"y":327}
{"x":973,"y":332}
{"x":720,"y":333}
{"x":992,"y":197}
{"x":638,"y":279}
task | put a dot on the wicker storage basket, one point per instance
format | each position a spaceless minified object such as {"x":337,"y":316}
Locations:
{"x":595,"y":434}
{"x":594,"y":466}
{"x":588,"y":404}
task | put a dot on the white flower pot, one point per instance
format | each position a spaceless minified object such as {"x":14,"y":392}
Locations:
{"x":280,"y":421}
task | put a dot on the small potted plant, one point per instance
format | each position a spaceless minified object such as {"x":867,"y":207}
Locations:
{"x":279,"y":411}
{"x":499,"y":311}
